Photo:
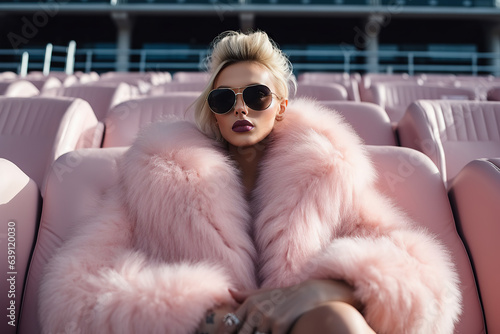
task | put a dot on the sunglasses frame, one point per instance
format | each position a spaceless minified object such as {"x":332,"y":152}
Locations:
{"x":236,"y":97}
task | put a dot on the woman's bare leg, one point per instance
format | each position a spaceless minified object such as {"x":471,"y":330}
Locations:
{"x":332,"y":318}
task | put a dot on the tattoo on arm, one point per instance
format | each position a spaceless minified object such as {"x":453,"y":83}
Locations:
{"x":209,"y":319}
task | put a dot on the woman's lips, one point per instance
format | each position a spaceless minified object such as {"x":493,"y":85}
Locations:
{"x":242,"y":126}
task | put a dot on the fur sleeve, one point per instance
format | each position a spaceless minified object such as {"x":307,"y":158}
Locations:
{"x":98,"y":284}
{"x":164,"y":249}
{"x":333,"y":224}
{"x":405,"y":278}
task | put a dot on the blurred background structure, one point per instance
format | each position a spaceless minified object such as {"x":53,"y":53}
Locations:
{"x":388,"y":36}
{"x":418,"y":80}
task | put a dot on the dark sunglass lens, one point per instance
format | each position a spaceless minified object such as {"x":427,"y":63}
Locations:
{"x":221,"y":100}
{"x":257,"y":97}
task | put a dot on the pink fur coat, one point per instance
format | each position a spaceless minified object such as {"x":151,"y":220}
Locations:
{"x":177,"y":230}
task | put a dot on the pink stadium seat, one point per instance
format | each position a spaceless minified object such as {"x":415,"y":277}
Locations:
{"x":8,"y":75}
{"x":191,"y":76}
{"x":475,"y":197}
{"x":322,"y":92}
{"x":69,"y":195}
{"x":413,"y":181}
{"x":66,"y":79}
{"x":476,"y":78}
{"x":36,"y":131}
{"x":20,"y":205}
{"x":369,"y":120}
{"x":350,"y":82}
{"x":18,"y":88}
{"x":395,"y":97}
{"x":133,"y":78}
{"x":57,"y":74}
{"x":85,"y":78}
{"x":318,"y":77}
{"x":493,"y":94}
{"x":369,"y":79}
{"x":70,"y":81}
{"x":125,"y":120}
{"x":452,"y":133}
{"x":437,"y":78}
{"x":403,"y":174}
{"x":177,"y":87}
{"x":45,"y":83}
{"x":101,"y":97}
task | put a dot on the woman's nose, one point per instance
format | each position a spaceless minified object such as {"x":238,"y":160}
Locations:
{"x":240,"y":106}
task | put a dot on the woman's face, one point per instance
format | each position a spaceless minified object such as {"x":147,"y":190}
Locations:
{"x":260,"y":123}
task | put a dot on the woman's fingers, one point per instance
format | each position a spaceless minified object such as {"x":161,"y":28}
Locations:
{"x":240,"y":296}
{"x":257,"y":312}
{"x":230,"y":323}
{"x":262,"y":311}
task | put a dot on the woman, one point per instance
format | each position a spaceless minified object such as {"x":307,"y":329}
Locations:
{"x":263,"y":218}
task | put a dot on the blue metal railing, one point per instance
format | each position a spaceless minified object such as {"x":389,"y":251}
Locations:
{"x":348,"y":60}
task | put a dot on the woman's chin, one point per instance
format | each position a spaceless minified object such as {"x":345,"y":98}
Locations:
{"x":246,"y":139}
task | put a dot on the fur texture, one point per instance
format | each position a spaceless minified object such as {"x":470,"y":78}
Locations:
{"x":177,"y":231}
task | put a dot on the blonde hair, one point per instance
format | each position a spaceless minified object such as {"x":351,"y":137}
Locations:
{"x":232,"y":47}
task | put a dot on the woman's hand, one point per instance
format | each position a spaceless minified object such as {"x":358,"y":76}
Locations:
{"x":276,"y":310}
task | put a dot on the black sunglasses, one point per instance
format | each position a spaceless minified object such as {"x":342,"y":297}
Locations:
{"x":256,"y":97}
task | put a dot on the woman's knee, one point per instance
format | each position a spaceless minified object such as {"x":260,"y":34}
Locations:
{"x":332,"y":317}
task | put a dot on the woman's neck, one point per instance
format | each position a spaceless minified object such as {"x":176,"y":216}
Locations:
{"x":247,"y":159}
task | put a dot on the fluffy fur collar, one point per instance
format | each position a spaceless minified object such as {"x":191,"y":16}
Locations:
{"x":181,"y":189}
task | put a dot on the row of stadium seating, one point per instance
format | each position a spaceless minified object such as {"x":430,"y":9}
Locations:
{"x":59,"y":149}
{"x":392,"y":92}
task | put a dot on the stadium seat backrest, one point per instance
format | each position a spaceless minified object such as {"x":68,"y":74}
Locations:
{"x":96,"y":171}
{"x":319,"y":77}
{"x":85,"y":78}
{"x":76,"y":183}
{"x":452,"y":133}
{"x":369,"y":120}
{"x":322,"y":92}
{"x":169,"y":87}
{"x":46,"y":83}
{"x":446,"y":79}
{"x":100,"y":97}
{"x":20,"y":205}
{"x":413,"y":182}
{"x":133,"y":78}
{"x":395,"y":97}
{"x":18,"y":88}
{"x":475,"y":197}
{"x":35,"y":131}
{"x":70,"y":80}
{"x":8,"y":75}
{"x":191,"y":77}
{"x":370,"y":79}
{"x":350,"y":82}
{"x":125,"y":120}
{"x":493,"y":94}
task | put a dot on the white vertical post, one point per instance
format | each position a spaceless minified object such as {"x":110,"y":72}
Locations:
{"x":70,"y":58}
{"x":88,"y":62}
{"x":372,"y":30}
{"x":24,"y":64}
{"x":48,"y":58}
{"x":124,"y":26}
{"x":494,"y":47}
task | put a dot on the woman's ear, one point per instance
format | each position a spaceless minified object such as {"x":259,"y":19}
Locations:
{"x":281,"y":111}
